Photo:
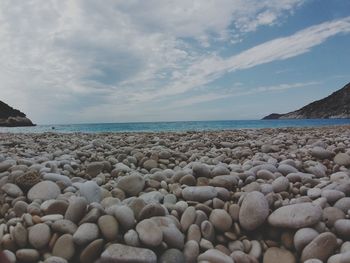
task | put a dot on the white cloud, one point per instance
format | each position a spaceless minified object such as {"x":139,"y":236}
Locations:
{"x":62,"y":59}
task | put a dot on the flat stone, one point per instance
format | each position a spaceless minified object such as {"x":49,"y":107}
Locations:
{"x":131,"y":184}
{"x":151,"y":210}
{"x":321,"y":247}
{"x":85,"y":234}
{"x":123,"y":253}
{"x":44,"y":190}
{"x":109,"y":227}
{"x":296,"y":216}
{"x":199,"y":193}
{"x":254,"y":211}
{"x":94,"y":168}
{"x":201,"y":170}
{"x":39,"y":235}
{"x":64,"y":247}
{"x":54,"y":207}
{"x":321,"y":153}
{"x":277,"y":255}
{"x":57,"y":178}
{"x":149,"y":233}
{"x":150,"y":164}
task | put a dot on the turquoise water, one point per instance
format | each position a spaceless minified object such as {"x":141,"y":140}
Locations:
{"x":176,"y":126}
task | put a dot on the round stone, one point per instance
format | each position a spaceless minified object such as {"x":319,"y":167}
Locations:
{"x":331,"y":214}
{"x":109,"y":227}
{"x":220,"y":219}
{"x":85,"y":234}
{"x":39,"y":235}
{"x":131,"y":184}
{"x":44,"y":190}
{"x":254,"y":211}
{"x":149,"y":233}
{"x":64,"y":247}
{"x":125,"y":216}
{"x":12,"y":190}
{"x":296,"y":216}
{"x":321,"y":153}
{"x":280,"y":184}
{"x":20,"y":235}
{"x":76,"y":209}
{"x":150,"y":164}
{"x":90,"y":191}
{"x":277,"y":255}
{"x":151,"y":210}
{"x":321,"y":247}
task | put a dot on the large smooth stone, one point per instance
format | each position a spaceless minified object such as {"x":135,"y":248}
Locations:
{"x":122,"y":253}
{"x":201,"y":170}
{"x":340,"y":258}
{"x":85,"y":234}
{"x":321,"y":247}
{"x":296,"y":216}
{"x":64,"y":226}
{"x":39,"y":235}
{"x":92,"y":251}
{"x":44,"y":190}
{"x":149,"y":233}
{"x":64,"y":247}
{"x":125,"y":216}
{"x":277,"y":255}
{"x":57,"y":177}
{"x":321,"y":153}
{"x":131,"y":184}
{"x":214,"y":255}
{"x":199,"y":193}
{"x":254,"y":211}
{"x":27,"y":255}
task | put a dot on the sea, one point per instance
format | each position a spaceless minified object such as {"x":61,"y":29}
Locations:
{"x":175,"y":126}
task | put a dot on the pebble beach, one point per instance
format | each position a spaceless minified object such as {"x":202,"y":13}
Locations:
{"x":238,"y":196}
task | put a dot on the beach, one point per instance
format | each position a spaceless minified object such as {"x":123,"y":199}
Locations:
{"x":237,"y":196}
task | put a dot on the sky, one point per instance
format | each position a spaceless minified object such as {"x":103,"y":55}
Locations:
{"x":87,"y":61}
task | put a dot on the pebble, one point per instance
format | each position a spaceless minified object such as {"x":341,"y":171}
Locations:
{"x":123,"y":253}
{"x":64,"y":247}
{"x":85,"y":234}
{"x":199,"y":193}
{"x":131,"y":184}
{"x":109,"y":227}
{"x":276,"y":255}
{"x":172,"y":255}
{"x":64,"y":226}
{"x":342,"y":159}
{"x":296,"y":216}
{"x":27,"y":255}
{"x":253,"y":211}
{"x":12,"y":190}
{"x":303,"y":237}
{"x":214,"y":255}
{"x":90,"y":191}
{"x":125,"y":216}
{"x":188,"y":217}
{"x":342,"y":228}
{"x":221,"y":220}
{"x":55,"y":260}
{"x":191,"y":251}
{"x":44,"y":190}
{"x":39,"y":235}
{"x":92,"y":251}
{"x":321,"y":247}
{"x":149,"y":233}
{"x":76,"y":209}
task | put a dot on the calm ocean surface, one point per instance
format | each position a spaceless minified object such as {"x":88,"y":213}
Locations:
{"x":176,"y":126}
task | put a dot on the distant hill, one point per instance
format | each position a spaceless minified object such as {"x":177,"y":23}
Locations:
{"x":10,"y":117}
{"x":336,"y":105}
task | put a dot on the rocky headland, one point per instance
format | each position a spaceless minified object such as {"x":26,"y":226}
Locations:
{"x":336,"y":105}
{"x":244,"y":196}
{"x":10,"y":117}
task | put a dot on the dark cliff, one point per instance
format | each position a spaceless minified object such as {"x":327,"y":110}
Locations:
{"x":10,"y":117}
{"x":336,"y":105}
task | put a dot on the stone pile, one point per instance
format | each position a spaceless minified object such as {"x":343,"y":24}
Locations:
{"x":245,"y":196}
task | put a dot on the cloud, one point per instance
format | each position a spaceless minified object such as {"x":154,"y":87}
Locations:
{"x":61,"y":60}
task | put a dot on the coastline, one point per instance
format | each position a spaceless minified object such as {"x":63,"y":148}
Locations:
{"x":231,"y":195}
